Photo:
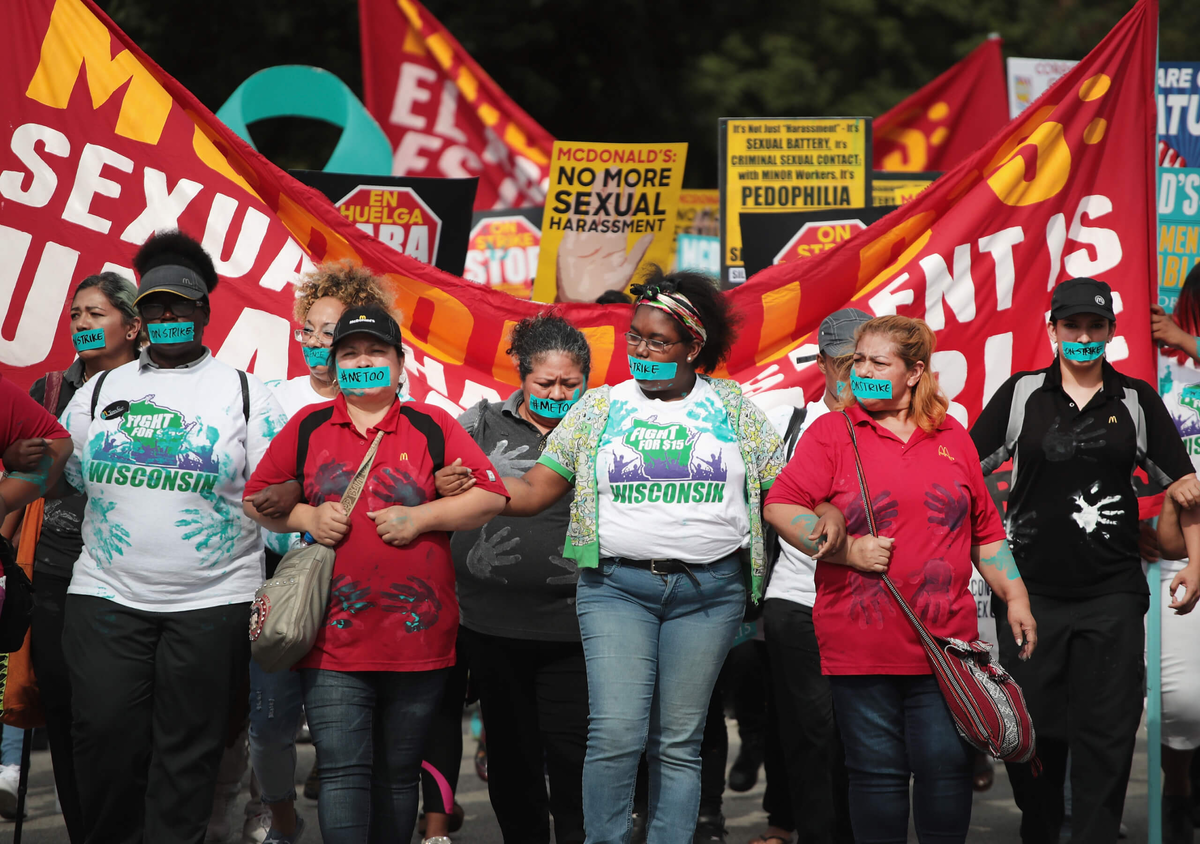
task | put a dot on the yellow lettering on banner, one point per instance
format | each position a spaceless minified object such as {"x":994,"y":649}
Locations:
{"x":601,"y":339}
{"x":441,"y":49}
{"x":488,"y":114}
{"x":468,"y":84}
{"x":781,"y":309}
{"x":503,"y":369}
{"x":210,"y":156}
{"x":414,"y":44}
{"x":516,"y":139}
{"x":1053,"y":162}
{"x":77,"y":41}
{"x":914,"y":157}
{"x":876,"y":264}
{"x":447,"y":329}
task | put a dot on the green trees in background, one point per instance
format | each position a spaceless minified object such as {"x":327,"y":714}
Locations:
{"x":638,"y":70}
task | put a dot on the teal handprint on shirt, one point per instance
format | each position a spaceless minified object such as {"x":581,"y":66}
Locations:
{"x":109,"y":539}
{"x":215,"y":531}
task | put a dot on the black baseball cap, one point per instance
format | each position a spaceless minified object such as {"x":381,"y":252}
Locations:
{"x":1082,"y":296}
{"x":835,"y":337}
{"x":172,"y":278}
{"x":367,"y":319}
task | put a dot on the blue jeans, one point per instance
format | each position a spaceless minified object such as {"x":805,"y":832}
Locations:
{"x":895,"y":727}
{"x":276,"y":707}
{"x":654,"y":646}
{"x":10,"y":745}
{"x":369,"y":729}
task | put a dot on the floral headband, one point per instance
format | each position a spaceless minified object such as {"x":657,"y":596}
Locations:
{"x":673,"y":303}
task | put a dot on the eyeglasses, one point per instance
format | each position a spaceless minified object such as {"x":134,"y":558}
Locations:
{"x":182,"y":308}
{"x":635,"y":339}
{"x":305,"y":334}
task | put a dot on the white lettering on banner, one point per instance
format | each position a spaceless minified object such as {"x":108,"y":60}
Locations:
{"x":951,"y":370}
{"x":249,"y":239}
{"x":1168,"y":193}
{"x":1056,"y":241}
{"x":410,"y":90}
{"x":259,"y":337}
{"x":89,"y":182}
{"x":447,"y":114}
{"x":999,"y":246}
{"x":431,"y":372}
{"x":763,"y":381}
{"x":124,"y":272}
{"x":288,"y":266}
{"x":1105,"y":241}
{"x":886,"y":301}
{"x":957,"y":290}
{"x":163,"y":206}
{"x":453,"y":163}
{"x":997,"y":363}
{"x":45,"y":180}
{"x":473,"y":392}
{"x":409,"y":153}
{"x":33,"y":340}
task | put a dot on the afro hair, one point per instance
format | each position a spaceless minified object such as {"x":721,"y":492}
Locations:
{"x":174,"y":248}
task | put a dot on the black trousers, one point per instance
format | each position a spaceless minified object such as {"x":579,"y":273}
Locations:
{"x":534,"y":700}
{"x":151,"y":694}
{"x":814,"y":759}
{"x":1084,"y":686}
{"x":54,"y":685}
{"x":444,"y":745}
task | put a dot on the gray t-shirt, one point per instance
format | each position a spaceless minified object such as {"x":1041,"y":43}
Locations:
{"x":61,"y":541}
{"x":513,"y":579}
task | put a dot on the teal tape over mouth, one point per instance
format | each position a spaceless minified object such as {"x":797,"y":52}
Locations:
{"x":651,"y":370}
{"x":355,"y":382}
{"x":870,"y":388}
{"x":91,"y":339}
{"x":315,"y":356}
{"x":552,"y":408}
{"x":1082,"y":351}
{"x":165,"y":333}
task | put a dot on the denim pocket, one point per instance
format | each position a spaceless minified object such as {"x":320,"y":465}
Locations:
{"x":725,"y":569}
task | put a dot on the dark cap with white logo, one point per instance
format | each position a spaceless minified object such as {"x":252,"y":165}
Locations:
{"x":1082,"y":296}
{"x":368,"y":319}
{"x":173,"y":278}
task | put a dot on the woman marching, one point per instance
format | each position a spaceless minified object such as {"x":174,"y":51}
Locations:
{"x":517,"y":596}
{"x":934,"y":518}
{"x":375,"y":675}
{"x":669,"y":469}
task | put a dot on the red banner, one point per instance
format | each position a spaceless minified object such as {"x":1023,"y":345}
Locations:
{"x":102,"y":148}
{"x":444,"y":115}
{"x":1065,"y":190}
{"x":948,"y":119}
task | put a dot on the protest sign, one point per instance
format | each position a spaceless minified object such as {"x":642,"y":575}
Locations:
{"x":1178,"y":230}
{"x":426,"y":219}
{"x":503,"y":250}
{"x":698,"y":253}
{"x":697,"y":214}
{"x":893,"y":188}
{"x":1179,"y":114}
{"x":787,"y":164}
{"x":610,"y":210}
{"x":443,"y":114}
{"x":1028,"y":79}
{"x":947,"y":119}
{"x":779,"y":238}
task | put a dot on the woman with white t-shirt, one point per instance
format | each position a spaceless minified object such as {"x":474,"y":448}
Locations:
{"x":277,"y":700}
{"x":1179,"y":384}
{"x":155,"y":630}
{"x":669,"y":471}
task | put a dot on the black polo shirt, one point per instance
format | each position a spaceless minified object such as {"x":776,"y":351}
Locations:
{"x":1072,"y":516}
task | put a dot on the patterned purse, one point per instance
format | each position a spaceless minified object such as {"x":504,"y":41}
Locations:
{"x":984,"y":700}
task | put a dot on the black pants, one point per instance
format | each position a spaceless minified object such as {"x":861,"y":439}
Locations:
{"x":151,"y":696}
{"x":1084,"y":688}
{"x":54,"y":685}
{"x":444,"y":745}
{"x":534,"y":700}
{"x":814,"y":759}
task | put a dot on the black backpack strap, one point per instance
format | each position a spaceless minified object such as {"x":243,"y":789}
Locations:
{"x":792,"y":435}
{"x":245,"y":395}
{"x":96,"y":392}
{"x":432,"y":431}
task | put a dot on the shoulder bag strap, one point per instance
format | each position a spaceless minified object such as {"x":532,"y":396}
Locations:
{"x":96,"y":392}
{"x":350,"y":496}
{"x":54,"y":382}
{"x":922,"y":631}
{"x":245,"y":395}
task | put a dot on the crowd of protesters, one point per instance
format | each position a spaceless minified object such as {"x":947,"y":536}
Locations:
{"x":582,"y":560}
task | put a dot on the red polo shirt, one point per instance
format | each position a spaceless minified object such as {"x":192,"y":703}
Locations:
{"x":390,"y":609}
{"x":929,"y":496}
{"x":22,"y":418}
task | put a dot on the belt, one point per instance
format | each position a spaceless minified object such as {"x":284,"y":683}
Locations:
{"x":661,"y":566}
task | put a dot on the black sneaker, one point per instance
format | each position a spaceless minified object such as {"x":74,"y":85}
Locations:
{"x":1177,"y":820}
{"x":710,"y":829}
{"x":743,"y":774}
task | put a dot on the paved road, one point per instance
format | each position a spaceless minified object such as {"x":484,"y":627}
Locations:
{"x":995,"y":818}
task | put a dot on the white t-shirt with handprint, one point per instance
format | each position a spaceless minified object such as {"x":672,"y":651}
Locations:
{"x":163,"y":464}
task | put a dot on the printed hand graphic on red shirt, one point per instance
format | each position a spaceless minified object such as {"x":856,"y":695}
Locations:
{"x":948,"y":508}
{"x":932,"y":598}
{"x":346,"y":596}
{"x":487,"y":554}
{"x":417,"y":600}
{"x":884,"y":506}
{"x":869,"y":600}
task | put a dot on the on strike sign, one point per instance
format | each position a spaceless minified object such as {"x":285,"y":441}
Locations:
{"x":818,"y":237}
{"x":503,"y":253}
{"x":397,"y":216}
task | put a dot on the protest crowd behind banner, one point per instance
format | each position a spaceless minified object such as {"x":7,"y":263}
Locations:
{"x":963,"y":209}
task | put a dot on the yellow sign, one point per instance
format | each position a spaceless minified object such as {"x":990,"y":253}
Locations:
{"x":610,"y":209}
{"x":699,"y":213}
{"x":886,"y":191}
{"x":788,"y":164}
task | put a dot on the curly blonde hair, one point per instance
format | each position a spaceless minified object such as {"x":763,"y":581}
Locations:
{"x":345,"y":281}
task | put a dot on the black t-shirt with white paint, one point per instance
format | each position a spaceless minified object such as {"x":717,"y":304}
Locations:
{"x":1072,"y":518}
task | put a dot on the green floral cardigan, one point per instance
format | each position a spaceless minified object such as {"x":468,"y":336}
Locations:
{"x":571,"y":452}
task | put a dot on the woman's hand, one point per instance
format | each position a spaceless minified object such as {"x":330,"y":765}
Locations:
{"x":397,"y":525}
{"x":1185,"y":492}
{"x":328,"y":523}
{"x":1165,"y":331}
{"x":832,"y":526}
{"x":454,"y":479}
{"x":277,"y":500}
{"x":25,"y":455}
{"x":1024,"y":628}
{"x":872,"y":554}
{"x":1189,"y":578}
